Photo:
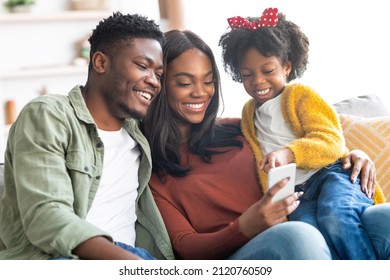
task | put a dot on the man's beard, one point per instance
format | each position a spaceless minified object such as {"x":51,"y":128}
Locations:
{"x":129,"y":113}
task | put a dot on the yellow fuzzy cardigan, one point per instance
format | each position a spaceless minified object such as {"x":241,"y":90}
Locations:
{"x":316,"y":126}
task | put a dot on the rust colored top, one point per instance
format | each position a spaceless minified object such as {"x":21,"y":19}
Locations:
{"x":201,"y":210}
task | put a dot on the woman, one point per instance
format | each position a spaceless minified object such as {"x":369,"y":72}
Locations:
{"x":204,"y":176}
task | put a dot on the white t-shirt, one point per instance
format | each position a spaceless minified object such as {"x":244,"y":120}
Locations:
{"x":113,"y":208}
{"x":273,"y":133}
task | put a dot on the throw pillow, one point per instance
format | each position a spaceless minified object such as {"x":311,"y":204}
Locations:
{"x":371,"y":135}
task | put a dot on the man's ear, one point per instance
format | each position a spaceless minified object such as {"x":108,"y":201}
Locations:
{"x":100,"y":62}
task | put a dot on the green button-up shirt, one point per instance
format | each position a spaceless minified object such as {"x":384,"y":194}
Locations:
{"x":53,"y":164}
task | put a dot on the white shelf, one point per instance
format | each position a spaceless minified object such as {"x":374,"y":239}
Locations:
{"x":36,"y":76}
{"x":61,"y":16}
{"x":45,"y":71}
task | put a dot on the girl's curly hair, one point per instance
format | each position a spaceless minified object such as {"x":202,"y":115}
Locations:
{"x":285,"y":41}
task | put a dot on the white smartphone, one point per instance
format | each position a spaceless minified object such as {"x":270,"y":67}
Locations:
{"x":277,"y":174}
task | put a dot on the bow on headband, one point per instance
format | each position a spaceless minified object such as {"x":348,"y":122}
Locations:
{"x":268,"y":18}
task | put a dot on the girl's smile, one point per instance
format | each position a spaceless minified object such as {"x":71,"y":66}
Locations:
{"x":263,"y":77}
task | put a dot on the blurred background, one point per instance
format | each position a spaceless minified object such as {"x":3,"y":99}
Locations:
{"x":44,"y":45}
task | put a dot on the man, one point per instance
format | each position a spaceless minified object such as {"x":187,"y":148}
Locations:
{"x":77,"y":166}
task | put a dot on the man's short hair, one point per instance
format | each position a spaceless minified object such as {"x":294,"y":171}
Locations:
{"x":111,"y":32}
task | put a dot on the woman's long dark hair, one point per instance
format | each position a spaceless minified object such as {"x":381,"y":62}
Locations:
{"x":161,"y":127}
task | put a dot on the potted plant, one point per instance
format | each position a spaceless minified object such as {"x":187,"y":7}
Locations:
{"x":19,"y":5}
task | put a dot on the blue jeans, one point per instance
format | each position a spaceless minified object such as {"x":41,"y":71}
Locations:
{"x":285,"y":241}
{"x":334,"y":205}
{"x":376,"y":222}
{"x":140,"y":252}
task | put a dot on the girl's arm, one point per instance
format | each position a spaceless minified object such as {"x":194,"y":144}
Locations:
{"x":319,"y":135}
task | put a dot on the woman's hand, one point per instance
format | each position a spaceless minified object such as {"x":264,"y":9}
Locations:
{"x":265,"y":213}
{"x":362,"y":165}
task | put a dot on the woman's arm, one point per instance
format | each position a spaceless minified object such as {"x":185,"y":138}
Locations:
{"x":222,"y":242}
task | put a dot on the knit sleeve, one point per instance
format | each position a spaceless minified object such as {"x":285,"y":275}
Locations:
{"x":319,"y":135}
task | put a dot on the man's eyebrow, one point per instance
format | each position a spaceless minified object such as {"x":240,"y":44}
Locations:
{"x":150,"y":61}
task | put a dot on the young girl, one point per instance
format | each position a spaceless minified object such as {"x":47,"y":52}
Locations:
{"x":287,"y":123}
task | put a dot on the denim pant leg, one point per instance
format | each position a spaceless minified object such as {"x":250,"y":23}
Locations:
{"x":307,"y":209}
{"x":285,"y":241}
{"x":340,"y":205}
{"x":376,"y":222}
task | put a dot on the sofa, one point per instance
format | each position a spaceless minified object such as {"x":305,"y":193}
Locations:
{"x":366,"y":125}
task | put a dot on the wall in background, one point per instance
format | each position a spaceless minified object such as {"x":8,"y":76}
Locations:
{"x":37,"y":49}
{"x":349,"y":46}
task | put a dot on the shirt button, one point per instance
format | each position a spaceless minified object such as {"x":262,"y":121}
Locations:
{"x":86,"y":168}
{"x":97,"y":177}
{"x":99,"y":145}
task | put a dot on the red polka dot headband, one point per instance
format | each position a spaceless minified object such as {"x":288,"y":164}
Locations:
{"x":268,"y":18}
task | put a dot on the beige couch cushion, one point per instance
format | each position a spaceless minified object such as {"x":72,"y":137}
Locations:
{"x":371,"y":135}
